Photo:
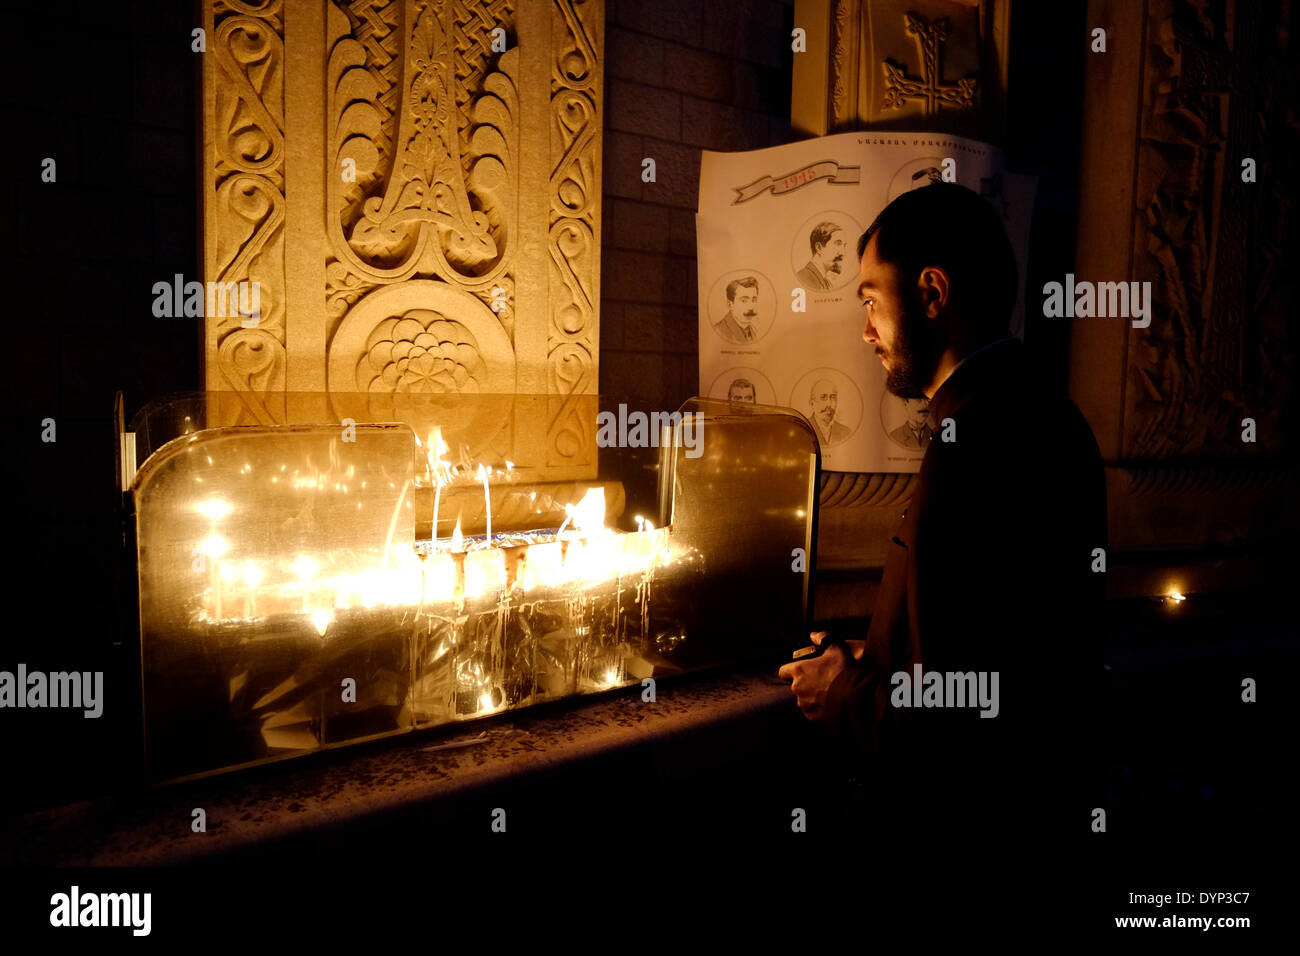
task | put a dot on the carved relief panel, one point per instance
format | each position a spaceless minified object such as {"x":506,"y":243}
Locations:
{"x":243,"y":198}
{"x":915,"y":65}
{"x":1210,"y":243}
{"x":1192,"y":91}
{"x":415,"y":187}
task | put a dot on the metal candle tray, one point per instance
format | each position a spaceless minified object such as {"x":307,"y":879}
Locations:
{"x":296,"y":592}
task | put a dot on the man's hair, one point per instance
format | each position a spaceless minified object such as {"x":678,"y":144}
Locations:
{"x":821,"y":234}
{"x":957,"y":230}
{"x":740,"y":383}
{"x":746,"y":281}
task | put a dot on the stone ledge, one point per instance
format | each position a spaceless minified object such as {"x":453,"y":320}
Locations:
{"x":272,"y":804}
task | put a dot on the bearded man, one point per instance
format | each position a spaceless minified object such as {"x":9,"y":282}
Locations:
{"x":966,"y":710}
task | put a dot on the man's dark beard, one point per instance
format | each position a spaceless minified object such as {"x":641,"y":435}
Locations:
{"x":915,"y":356}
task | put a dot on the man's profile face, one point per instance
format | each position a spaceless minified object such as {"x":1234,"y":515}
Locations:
{"x":831,"y":254}
{"x":896,"y":326}
{"x":741,"y":393}
{"x":823,"y":400}
{"x":745,"y":306}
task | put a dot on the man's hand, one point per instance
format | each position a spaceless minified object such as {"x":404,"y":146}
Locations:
{"x":810,"y":680}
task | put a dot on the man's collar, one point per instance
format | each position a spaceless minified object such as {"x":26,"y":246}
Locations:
{"x":981,"y":349}
{"x":968,"y":375}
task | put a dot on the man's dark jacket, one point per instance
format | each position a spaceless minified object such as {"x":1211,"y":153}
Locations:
{"x":991,"y":569}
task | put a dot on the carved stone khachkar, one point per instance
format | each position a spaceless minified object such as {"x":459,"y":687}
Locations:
{"x":916,"y":65}
{"x":415,"y":186}
{"x":1204,"y":86}
{"x":1211,"y":252}
{"x":930,"y":88}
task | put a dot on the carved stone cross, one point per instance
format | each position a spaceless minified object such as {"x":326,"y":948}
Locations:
{"x":929,"y":88}
{"x":419,"y":206}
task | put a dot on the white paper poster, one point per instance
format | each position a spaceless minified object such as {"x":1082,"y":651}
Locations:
{"x":775,"y":221}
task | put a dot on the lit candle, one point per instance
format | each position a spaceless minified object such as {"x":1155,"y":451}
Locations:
{"x":440,"y":579}
{"x":437,"y":495}
{"x":212,"y":547}
{"x":485,"y":574}
{"x":435,"y":442}
{"x":487,"y":498}
{"x":458,"y":559}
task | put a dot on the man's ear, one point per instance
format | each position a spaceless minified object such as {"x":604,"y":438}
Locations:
{"x":934,"y":288}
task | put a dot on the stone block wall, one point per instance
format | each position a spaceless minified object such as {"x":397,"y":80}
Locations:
{"x":681,"y":77}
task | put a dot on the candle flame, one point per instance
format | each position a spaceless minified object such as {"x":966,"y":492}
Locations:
{"x":214,"y":546}
{"x":437,"y":448}
{"x":306,"y":567}
{"x":589,"y":514}
{"x":251,"y":574}
{"x":322,"y":619}
{"x":457,"y":539}
{"x":214,"y":509}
